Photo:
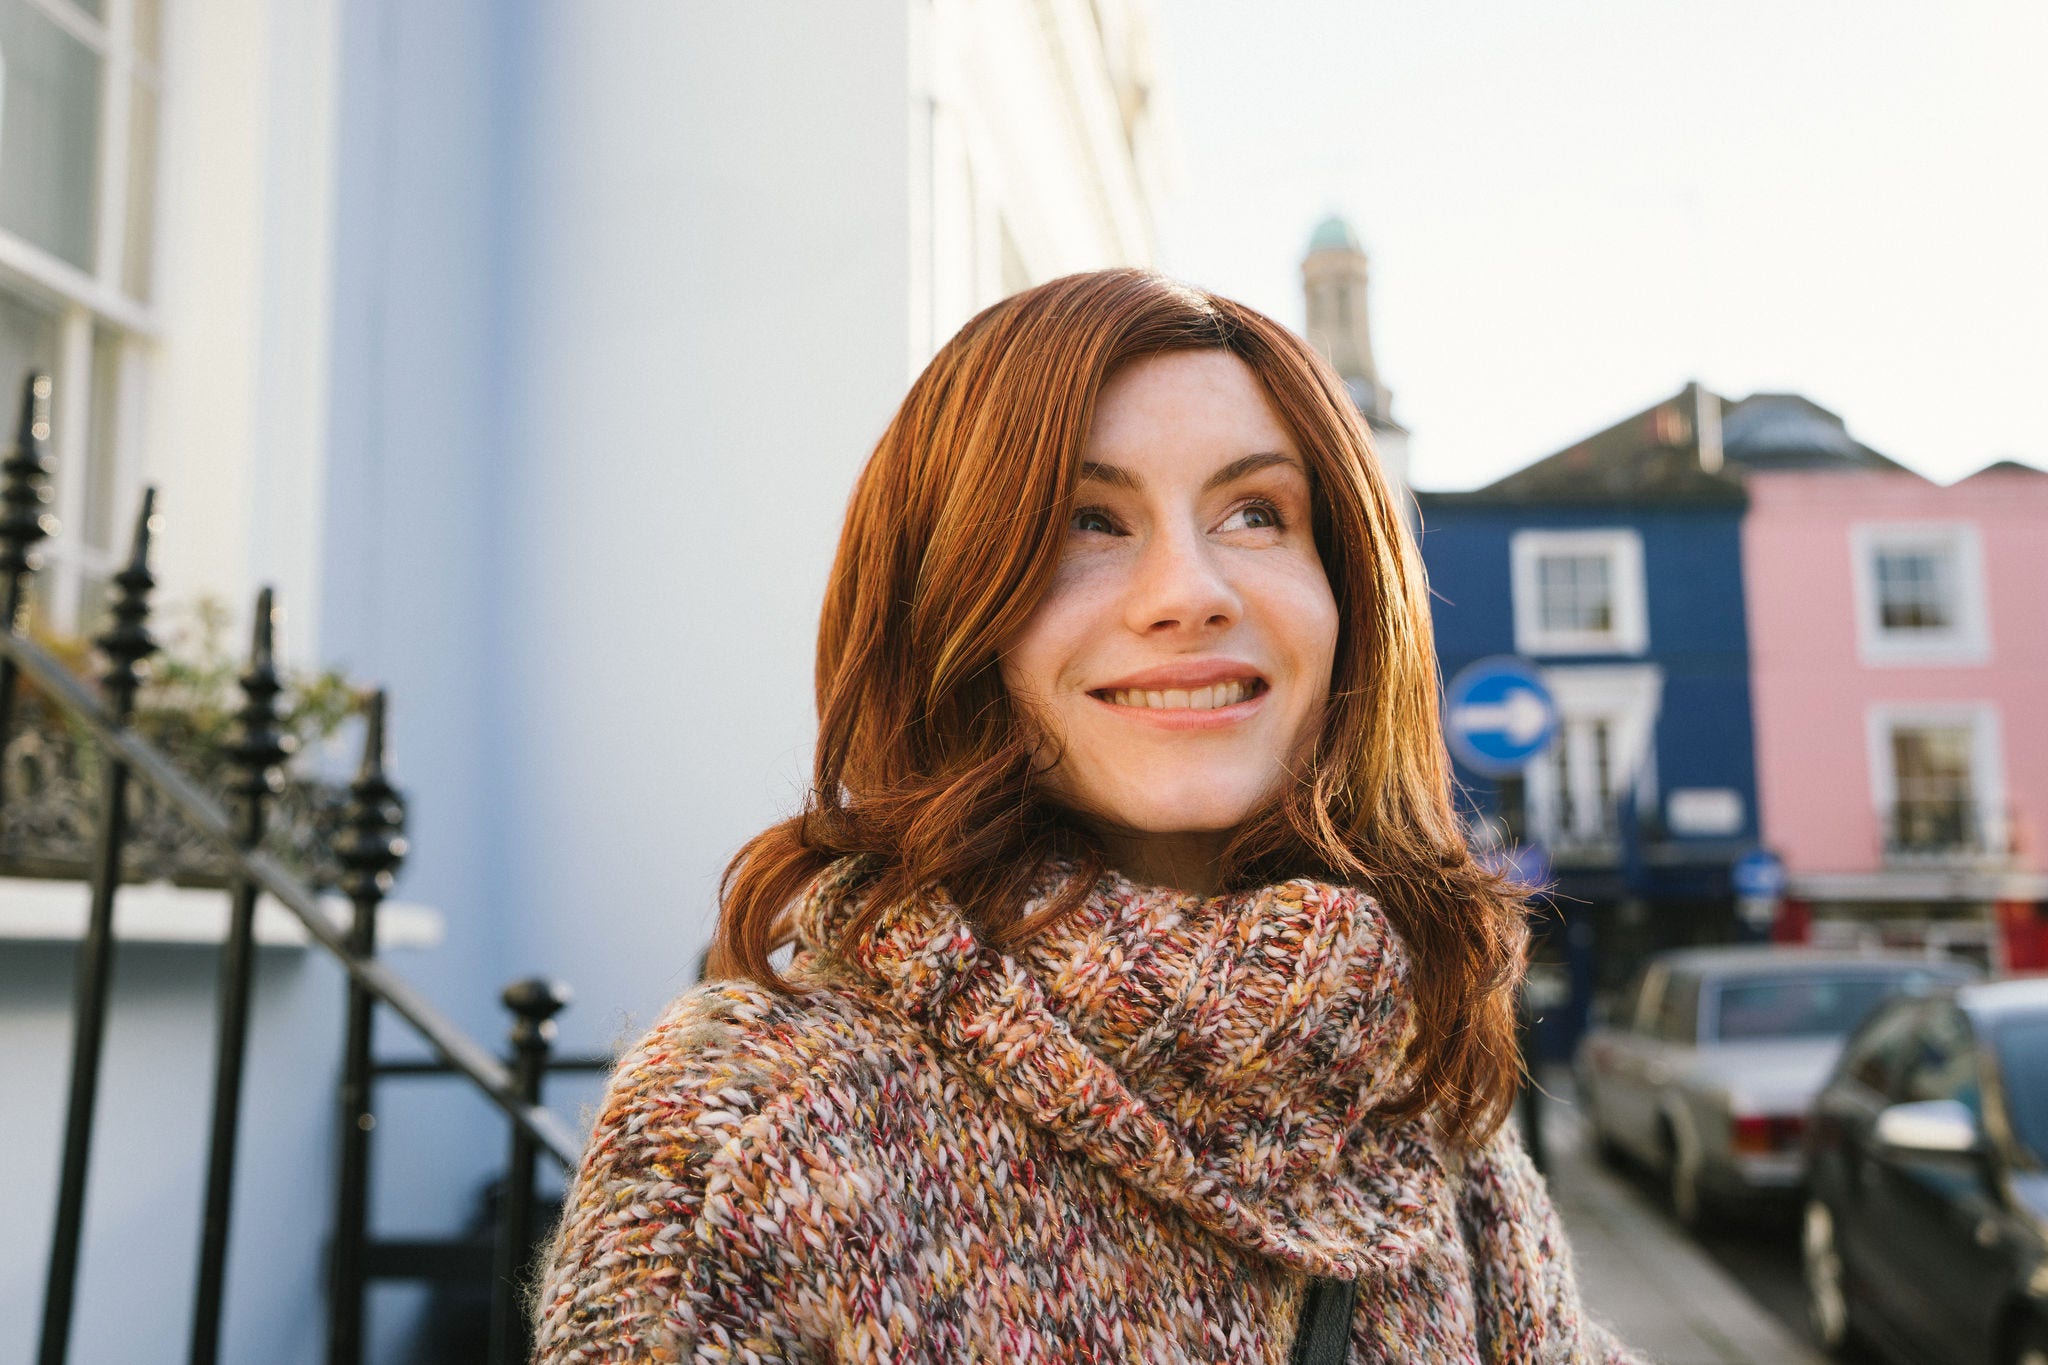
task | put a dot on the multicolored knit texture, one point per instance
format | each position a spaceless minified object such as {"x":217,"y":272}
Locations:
{"x":1136,"y":1138}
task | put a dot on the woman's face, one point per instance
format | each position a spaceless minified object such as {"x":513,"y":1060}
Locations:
{"x":1181,"y":659}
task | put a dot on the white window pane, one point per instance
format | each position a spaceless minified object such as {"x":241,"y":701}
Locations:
{"x":97,"y":514}
{"x":137,"y":255}
{"x":1916,"y":589}
{"x":1574,"y":593}
{"x":95,"y":603}
{"x":1931,"y":771}
{"x":49,"y":133}
{"x":28,"y":341}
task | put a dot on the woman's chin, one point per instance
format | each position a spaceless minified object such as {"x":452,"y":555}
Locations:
{"x":1166,"y":812}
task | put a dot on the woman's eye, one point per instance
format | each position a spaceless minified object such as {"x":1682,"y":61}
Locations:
{"x":1253,"y":516}
{"x":1094,"y":519}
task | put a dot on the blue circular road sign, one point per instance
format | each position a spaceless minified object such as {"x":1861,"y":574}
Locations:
{"x":1758,"y":875}
{"x":1498,"y":715}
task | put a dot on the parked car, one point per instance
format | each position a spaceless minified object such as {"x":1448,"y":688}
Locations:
{"x":1926,"y":1224}
{"x":1706,"y":1068}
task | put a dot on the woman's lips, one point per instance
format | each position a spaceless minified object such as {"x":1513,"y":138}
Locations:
{"x":1182,"y":675}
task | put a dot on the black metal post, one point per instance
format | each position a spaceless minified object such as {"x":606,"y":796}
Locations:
{"x":535,"y":1001}
{"x":126,"y":643}
{"x":24,"y":491}
{"x":258,"y":747}
{"x":369,"y":850}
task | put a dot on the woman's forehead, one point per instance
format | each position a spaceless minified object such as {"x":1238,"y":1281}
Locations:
{"x":1182,"y":410}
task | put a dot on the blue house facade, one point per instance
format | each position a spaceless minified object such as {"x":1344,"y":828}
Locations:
{"x":1614,"y":567}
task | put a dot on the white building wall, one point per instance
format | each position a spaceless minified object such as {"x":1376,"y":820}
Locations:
{"x":235,"y":403}
{"x":1039,"y":131}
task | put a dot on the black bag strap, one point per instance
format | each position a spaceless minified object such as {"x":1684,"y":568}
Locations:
{"x":1323,"y":1335}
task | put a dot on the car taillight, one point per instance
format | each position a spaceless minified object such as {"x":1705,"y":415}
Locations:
{"x":1767,"y":1134}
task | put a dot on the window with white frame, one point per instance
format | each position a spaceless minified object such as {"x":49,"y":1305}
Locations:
{"x":1919,"y":593}
{"x":1579,"y":592}
{"x":80,"y":91}
{"x":1937,"y":779}
{"x":1607,"y":717}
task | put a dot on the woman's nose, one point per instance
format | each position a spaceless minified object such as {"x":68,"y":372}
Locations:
{"x":1180,"y":582}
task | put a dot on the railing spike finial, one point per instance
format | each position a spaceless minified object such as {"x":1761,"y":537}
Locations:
{"x":262,"y":648}
{"x":373,"y":737}
{"x":127,"y":642}
{"x":145,"y":531}
{"x":260,"y":743}
{"x":534,"y":1002}
{"x":373,"y":843}
{"x":25,"y":493}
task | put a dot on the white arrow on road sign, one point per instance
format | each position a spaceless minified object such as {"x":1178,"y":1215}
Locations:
{"x":1520,"y":715}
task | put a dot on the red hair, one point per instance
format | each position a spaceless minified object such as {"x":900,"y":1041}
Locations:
{"x":924,"y":765}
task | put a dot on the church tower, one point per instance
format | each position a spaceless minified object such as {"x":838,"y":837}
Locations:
{"x":1333,"y":277}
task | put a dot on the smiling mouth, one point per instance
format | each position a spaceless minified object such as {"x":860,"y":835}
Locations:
{"x":1211,"y":698}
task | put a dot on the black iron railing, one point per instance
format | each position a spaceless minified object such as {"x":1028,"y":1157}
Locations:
{"x":1943,"y":828}
{"x":368,"y":851}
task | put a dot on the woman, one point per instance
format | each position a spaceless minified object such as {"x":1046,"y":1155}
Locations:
{"x":1145,"y":1002}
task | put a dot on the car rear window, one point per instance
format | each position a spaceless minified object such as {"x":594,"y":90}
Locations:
{"x":2022,"y":1046}
{"x":1820,"y":1005}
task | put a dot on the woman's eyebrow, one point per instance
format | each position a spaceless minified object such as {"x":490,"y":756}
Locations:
{"x":1116,"y":476}
{"x":1249,"y":464}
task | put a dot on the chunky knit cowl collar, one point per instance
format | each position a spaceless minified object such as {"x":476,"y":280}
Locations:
{"x":1220,"y":1055}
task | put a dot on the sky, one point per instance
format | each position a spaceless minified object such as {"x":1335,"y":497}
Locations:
{"x":1574,"y":207}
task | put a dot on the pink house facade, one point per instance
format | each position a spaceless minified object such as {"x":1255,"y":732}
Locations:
{"x":1898,"y":635}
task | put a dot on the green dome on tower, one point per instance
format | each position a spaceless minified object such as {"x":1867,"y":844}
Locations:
{"x":1334,"y":234}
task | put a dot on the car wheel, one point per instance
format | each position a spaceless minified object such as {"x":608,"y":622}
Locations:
{"x":1682,"y":1193}
{"x":1827,"y":1280}
{"x":2030,"y":1345}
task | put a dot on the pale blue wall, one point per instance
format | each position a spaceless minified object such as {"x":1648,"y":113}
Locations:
{"x":428,"y":124}
{"x":149,"y":1151}
{"x":621,"y":301}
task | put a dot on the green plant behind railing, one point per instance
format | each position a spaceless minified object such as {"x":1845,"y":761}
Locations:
{"x":189,"y":696}
{"x":186,"y":710}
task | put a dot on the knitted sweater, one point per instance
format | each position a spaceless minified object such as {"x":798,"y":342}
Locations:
{"x":1136,"y":1138}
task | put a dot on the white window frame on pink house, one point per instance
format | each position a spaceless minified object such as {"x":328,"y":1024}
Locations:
{"x":1968,"y":642}
{"x":1987,"y":765}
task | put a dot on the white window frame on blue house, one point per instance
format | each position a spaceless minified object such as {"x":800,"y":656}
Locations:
{"x":1621,"y":548}
{"x":1966,"y":639}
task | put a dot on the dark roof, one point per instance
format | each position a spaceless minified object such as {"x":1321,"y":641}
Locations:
{"x":1787,"y":431}
{"x":1654,"y":455}
{"x":2005,"y":467}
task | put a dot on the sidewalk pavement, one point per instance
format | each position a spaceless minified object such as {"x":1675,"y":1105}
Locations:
{"x":1640,"y":1275}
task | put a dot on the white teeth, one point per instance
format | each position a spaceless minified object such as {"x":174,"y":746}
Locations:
{"x":1175,"y":699}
